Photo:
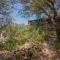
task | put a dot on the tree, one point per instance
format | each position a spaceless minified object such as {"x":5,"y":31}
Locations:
{"x":5,"y":19}
{"x":47,"y":6}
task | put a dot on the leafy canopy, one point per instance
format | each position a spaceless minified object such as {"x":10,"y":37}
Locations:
{"x":37,"y":4}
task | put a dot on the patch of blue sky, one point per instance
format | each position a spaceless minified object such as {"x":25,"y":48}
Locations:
{"x":21,"y":20}
{"x":16,"y":16}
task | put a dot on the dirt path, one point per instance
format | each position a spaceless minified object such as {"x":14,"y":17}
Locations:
{"x":30,"y":51}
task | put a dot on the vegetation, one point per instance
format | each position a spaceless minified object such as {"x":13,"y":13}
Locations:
{"x":48,"y":7}
{"x":20,"y":35}
{"x":42,"y":39}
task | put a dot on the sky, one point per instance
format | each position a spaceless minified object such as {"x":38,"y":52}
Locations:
{"x":17,"y":17}
{"x":21,"y":20}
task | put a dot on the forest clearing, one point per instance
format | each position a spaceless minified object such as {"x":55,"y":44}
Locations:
{"x":29,"y":30}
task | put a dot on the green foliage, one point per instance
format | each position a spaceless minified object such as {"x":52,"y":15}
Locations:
{"x":11,"y":41}
{"x":10,"y":44}
{"x":57,"y":45}
{"x":20,"y":35}
{"x":37,"y":5}
{"x":33,"y":35}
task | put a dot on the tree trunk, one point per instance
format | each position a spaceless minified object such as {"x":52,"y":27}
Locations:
{"x":58,"y":34}
{"x":58,"y":29}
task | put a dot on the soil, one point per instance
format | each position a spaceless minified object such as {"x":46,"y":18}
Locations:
{"x":30,"y":51}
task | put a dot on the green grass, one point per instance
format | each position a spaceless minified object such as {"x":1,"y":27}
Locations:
{"x":25,"y":35}
{"x":20,"y":35}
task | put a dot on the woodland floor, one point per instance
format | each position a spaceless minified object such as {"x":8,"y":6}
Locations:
{"x":30,"y":51}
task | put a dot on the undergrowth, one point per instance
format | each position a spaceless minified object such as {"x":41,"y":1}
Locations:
{"x":20,"y":35}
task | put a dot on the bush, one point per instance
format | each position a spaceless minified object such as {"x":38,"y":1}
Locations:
{"x":27,"y":35}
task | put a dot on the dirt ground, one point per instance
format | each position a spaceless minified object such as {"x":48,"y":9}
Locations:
{"x":30,"y":51}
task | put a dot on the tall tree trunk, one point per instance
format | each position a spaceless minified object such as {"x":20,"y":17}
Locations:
{"x":58,"y":34}
{"x":58,"y":29}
